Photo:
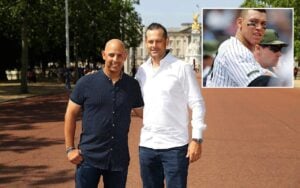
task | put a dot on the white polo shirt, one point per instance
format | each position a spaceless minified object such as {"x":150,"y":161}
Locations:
{"x":168,"y":92}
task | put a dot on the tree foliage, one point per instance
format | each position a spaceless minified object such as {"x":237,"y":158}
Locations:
{"x":284,"y":4}
{"x":92,"y":23}
{"x":30,"y":23}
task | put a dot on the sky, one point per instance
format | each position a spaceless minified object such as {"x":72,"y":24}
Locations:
{"x":172,"y":13}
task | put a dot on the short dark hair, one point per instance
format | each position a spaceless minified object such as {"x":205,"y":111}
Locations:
{"x":154,"y":26}
{"x":261,"y":10}
{"x":245,"y":11}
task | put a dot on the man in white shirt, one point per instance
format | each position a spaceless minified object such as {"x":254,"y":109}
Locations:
{"x":169,"y":88}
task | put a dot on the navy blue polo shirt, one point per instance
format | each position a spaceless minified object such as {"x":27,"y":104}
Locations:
{"x":106,"y":110}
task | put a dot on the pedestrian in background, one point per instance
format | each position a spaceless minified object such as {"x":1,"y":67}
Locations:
{"x":209,"y":53}
{"x":68,"y":78}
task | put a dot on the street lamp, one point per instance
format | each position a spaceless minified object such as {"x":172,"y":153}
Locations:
{"x":67,"y":35}
{"x":67,"y":70}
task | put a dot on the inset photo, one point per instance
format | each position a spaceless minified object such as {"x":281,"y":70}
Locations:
{"x":250,"y":47}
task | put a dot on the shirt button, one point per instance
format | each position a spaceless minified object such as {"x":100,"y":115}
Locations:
{"x":113,"y":125}
{"x":112,"y":137}
{"x":113,"y":112}
{"x":111,"y":149}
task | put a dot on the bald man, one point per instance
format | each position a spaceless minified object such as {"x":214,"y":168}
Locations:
{"x":106,"y":99}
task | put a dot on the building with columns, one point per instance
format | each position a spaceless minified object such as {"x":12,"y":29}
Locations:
{"x":179,"y":39}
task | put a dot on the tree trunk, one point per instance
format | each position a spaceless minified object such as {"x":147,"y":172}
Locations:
{"x":24,"y":58}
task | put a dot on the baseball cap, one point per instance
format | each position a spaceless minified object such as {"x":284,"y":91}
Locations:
{"x":210,"y":47}
{"x":271,"y":37}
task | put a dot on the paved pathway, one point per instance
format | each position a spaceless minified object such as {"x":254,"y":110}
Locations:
{"x":252,"y":140}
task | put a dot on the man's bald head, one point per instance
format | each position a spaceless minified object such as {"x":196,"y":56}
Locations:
{"x":114,"y":56}
{"x":116,"y":42}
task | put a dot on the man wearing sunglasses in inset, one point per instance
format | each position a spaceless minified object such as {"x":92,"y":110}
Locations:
{"x":268,"y":52}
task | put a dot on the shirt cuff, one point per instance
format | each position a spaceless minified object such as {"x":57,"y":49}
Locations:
{"x":198,"y":132}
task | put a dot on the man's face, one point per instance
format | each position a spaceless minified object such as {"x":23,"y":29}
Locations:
{"x":156,"y":43}
{"x":269,"y":58}
{"x":253,"y":25}
{"x":207,"y":61}
{"x":114,"y":56}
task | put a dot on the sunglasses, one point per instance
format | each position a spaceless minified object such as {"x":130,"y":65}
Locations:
{"x":274,"y":48}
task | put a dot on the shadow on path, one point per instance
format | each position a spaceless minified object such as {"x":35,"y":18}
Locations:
{"x":38,"y":109}
{"x":39,"y":175}
{"x":20,"y":144}
{"x":25,"y":137}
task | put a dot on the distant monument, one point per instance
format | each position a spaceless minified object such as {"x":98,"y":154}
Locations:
{"x":195,"y":25}
{"x":192,"y":54}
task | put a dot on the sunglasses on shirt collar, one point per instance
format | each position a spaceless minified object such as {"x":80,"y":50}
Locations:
{"x":273,"y":48}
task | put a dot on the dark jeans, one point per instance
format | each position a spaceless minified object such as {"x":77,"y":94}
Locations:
{"x":170,"y":164}
{"x":88,"y":177}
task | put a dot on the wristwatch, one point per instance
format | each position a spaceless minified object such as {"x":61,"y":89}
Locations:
{"x":198,"y":140}
{"x":69,"y":149}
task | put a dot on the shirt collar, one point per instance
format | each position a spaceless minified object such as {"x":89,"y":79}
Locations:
{"x":164,"y":60}
{"x":103,"y":74}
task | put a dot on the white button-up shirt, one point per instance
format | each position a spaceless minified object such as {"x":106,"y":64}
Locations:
{"x":168,"y":92}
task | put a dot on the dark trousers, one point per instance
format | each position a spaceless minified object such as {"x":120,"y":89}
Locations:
{"x":88,"y":177}
{"x":170,"y":164}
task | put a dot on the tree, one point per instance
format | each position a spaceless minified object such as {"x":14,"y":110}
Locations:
{"x":92,"y":23}
{"x":282,"y":3}
{"x":30,"y":22}
{"x":38,"y":28}
{"x":132,"y":26}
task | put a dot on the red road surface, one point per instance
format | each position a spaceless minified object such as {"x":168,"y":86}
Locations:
{"x":252,"y":140}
